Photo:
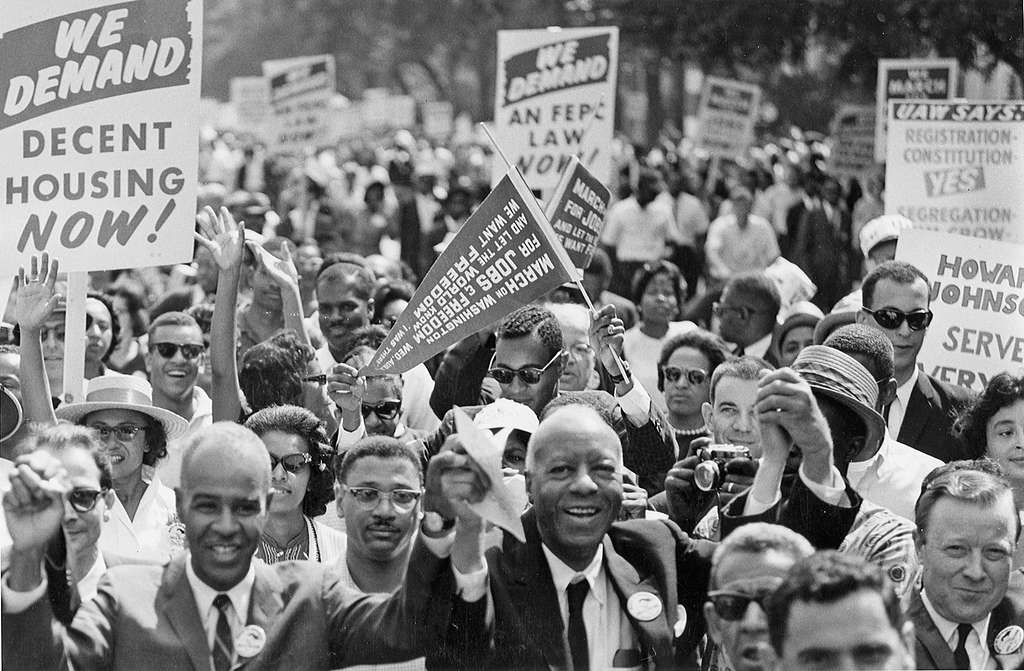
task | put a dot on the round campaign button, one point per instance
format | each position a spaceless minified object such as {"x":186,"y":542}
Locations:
{"x":644,"y":606}
{"x":176,"y":534}
{"x":250,"y":641}
{"x":1008,"y":640}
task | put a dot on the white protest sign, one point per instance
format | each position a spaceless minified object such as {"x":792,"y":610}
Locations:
{"x":437,"y":119}
{"x":910,"y":79}
{"x":853,"y":141}
{"x":251,"y":98}
{"x":957,"y":167}
{"x":99,"y":131}
{"x":300,"y":94}
{"x":727,"y":114}
{"x":977,"y":296}
{"x":383,"y":111}
{"x":555,"y":98}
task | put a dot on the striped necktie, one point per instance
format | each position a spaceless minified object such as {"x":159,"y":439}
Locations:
{"x":223,"y":647}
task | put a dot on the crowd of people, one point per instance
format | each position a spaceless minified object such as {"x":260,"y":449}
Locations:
{"x":769,"y":481}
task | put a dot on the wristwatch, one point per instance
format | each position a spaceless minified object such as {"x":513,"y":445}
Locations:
{"x":619,"y":379}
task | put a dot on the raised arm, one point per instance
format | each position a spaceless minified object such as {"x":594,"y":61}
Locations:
{"x":35,"y":301}
{"x":224,"y":238}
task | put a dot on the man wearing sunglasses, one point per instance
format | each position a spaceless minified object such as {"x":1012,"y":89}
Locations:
{"x":746,"y":313}
{"x":748,"y":566}
{"x":176,"y":349}
{"x":896,"y":300}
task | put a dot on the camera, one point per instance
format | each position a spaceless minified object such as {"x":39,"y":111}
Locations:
{"x":710,"y":472}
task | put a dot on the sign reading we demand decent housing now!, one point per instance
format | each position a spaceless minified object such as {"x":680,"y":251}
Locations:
{"x":555,"y":98}
{"x":503,"y":257}
{"x":98,"y":130}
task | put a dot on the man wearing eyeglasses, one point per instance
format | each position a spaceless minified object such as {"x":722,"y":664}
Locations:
{"x":896,"y":297}
{"x":746,"y":313}
{"x":176,"y":350}
{"x":748,"y":566}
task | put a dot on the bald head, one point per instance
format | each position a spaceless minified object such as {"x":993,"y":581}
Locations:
{"x":225,"y":447}
{"x":572,"y":424}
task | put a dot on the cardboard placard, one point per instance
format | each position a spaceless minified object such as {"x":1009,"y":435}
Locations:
{"x":502,"y":258}
{"x":910,"y":79}
{"x":957,"y":167}
{"x":251,"y":99}
{"x":577,"y":212}
{"x":99,"y":130}
{"x":300,"y":95}
{"x":555,"y":98}
{"x":727,"y":113}
{"x":853,"y":141}
{"x":977,"y":296}
{"x":437,"y":119}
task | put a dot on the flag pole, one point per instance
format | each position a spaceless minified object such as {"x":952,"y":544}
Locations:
{"x":578,"y":283}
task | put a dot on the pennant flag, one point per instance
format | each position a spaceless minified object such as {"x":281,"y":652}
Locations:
{"x":576,"y":212}
{"x":503,"y":257}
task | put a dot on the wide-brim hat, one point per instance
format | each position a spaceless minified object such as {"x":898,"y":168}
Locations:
{"x":123,"y":392}
{"x":842,"y":378}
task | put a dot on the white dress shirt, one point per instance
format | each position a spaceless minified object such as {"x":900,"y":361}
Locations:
{"x":892,"y":478}
{"x":608,"y":629}
{"x":898,"y":408}
{"x":152,"y":537}
{"x":977,"y":646}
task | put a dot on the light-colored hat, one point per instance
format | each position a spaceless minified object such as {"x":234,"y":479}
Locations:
{"x":506,"y":414}
{"x":123,"y":392}
{"x":883,"y":228}
{"x":842,"y":378}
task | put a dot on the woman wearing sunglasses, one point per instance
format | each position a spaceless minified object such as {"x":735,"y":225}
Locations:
{"x":993,"y":426}
{"x":86,"y":504}
{"x":302,"y":484}
{"x":658,"y":291}
{"x":684,"y":377}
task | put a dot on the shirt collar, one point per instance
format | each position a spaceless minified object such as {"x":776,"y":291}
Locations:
{"x":904,"y":390}
{"x":204,"y":594}
{"x":948,"y":629}
{"x":562,"y":574}
{"x":759,"y":347}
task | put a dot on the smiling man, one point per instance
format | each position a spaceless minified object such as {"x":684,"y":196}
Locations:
{"x":214,"y":607}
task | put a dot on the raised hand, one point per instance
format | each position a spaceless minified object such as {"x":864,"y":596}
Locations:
{"x":606,"y":331}
{"x":282,"y":270}
{"x":453,"y":480}
{"x":35,"y":297}
{"x":786,"y":400}
{"x":34,"y":506}
{"x":346,"y":388}
{"x":221,"y":236}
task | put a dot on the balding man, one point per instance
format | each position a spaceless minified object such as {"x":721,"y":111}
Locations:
{"x":214,"y":607}
{"x":585,"y":588}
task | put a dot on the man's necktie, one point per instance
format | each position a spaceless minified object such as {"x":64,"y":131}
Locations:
{"x":960,"y":657}
{"x":577,"y":593}
{"x":223,"y":647}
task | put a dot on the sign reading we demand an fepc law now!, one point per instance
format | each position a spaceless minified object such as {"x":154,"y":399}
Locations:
{"x":555,"y":98}
{"x":99,"y":131}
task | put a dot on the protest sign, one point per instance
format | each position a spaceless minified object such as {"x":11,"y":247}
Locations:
{"x":300,"y":94}
{"x":576,"y":212}
{"x":910,"y":79}
{"x":251,"y":98}
{"x":853,"y":141}
{"x":555,"y":98}
{"x":437,"y":119}
{"x":99,"y":131}
{"x":727,"y":114}
{"x":977,"y":296}
{"x":957,"y":167}
{"x":382,"y":111}
{"x":504,"y":256}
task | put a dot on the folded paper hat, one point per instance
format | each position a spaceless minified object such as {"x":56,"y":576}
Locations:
{"x":506,"y":414}
{"x":880,"y":229}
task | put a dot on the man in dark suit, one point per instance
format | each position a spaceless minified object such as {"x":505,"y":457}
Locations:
{"x":584,"y":588}
{"x":896,"y":297}
{"x":965,"y":614}
{"x":214,"y":607}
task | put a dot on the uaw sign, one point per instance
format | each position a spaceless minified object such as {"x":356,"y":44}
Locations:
{"x":554,"y":99}
{"x":98,"y":131}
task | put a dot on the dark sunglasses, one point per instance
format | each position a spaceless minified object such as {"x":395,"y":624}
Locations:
{"x":293,"y":463}
{"x":84,"y":500}
{"x":528,"y":375}
{"x":693,"y":375}
{"x":891,"y":318}
{"x":732,"y":605}
{"x":188,"y":350}
{"x":743,"y":311}
{"x":383,"y":410}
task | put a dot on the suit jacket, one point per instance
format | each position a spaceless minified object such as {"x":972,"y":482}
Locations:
{"x":931,"y":650}
{"x":647,"y":450}
{"x":928,"y":422}
{"x":145,"y":617}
